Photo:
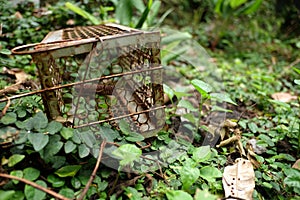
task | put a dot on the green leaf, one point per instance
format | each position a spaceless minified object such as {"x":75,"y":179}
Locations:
{"x":124,"y":12}
{"x":67,"y":133}
{"x":127,"y":153}
{"x":67,"y":192}
{"x":253,"y":127}
{"x":210,"y":173}
{"x":82,"y":13}
{"x":236,"y":3}
{"x":109,"y":134}
{"x":75,"y":183}
{"x":203,"y":88}
{"x":14,"y":159}
{"x":68,"y":171}
{"x":188,"y":176}
{"x":186,"y":104}
{"x":204,"y":194}
{"x":169,"y":91}
{"x":175,"y":37}
{"x":124,"y":127}
{"x":7,"y":195}
{"x":132,"y":193}
{"x":252,"y":6}
{"x":9,"y":118}
{"x":5,"y":52}
{"x":54,"y":127}
{"x":55,"y":181}
{"x":201,"y":154}
{"x":69,"y":146}
{"x":134,"y":137}
{"x":88,"y":138}
{"x":144,"y":15}
{"x":35,"y":194}
{"x":83,"y":151}
{"x":222,"y":97}
{"x":38,"y":140}
{"x":297,"y":81}
{"x":17,"y":173}
{"x":53,"y":147}
{"x":31,"y":173}
{"x":178,"y":195}
{"x":40,"y":121}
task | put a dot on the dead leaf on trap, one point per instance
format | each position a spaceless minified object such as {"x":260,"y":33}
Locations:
{"x":239,"y":179}
{"x":283,"y":97}
{"x":296,"y":165}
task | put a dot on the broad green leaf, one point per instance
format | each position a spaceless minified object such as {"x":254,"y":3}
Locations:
{"x":203,"y":88}
{"x":178,"y":195}
{"x":169,"y":91}
{"x":127,"y":153}
{"x":38,"y":140}
{"x":186,"y":104}
{"x":88,"y":138}
{"x":189,"y":175}
{"x":69,"y":146}
{"x":253,"y":127}
{"x":83,"y":151}
{"x":132,"y":193}
{"x":68,"y":171}
{"x":134,"y":137}
{"x":201,"y":154}
{"x":7,"y":195}
{"x":14,"y":159}
{"x":236,"y":3}
{"x":75,"y":183}
{"x":175,"y":37}
{"x":222,"y":97}
{"x":292,"y":181}
{"x":124,"y":12}
{"x":82,"y":12}
{"x":35,"y":194}
{"x":40,"y":121}
{"x":17,"y":173}
{"x":55,"y":181}
{"x":210,"y":173}
{"x":252,"y":6}
{"x":297,"y":81}
{"x":53,"y":147}
{"x":9,"y":118}
{"x":67,"y":133}
{"x":109,"y":134}
{"x":124,"y":126}
{"x":5,"y":51}
{"x":31,"y":173}
{"x":67,"y":192}
{"x":54,"y":127}
{"x":204,"y":194}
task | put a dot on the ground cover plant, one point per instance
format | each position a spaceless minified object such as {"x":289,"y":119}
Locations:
{"x":240,"y":59}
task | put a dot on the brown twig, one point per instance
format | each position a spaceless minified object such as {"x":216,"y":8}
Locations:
{"x":92,"y":177}
{"x":6,"y":107}
{"x":56,"y":195}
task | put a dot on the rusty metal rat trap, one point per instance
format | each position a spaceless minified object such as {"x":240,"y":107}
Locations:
{"x":97,"y":74}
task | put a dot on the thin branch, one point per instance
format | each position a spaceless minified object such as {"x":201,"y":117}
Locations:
{"x":6,"y":107}
{"x":56,"y":195}
{"x":92,"y":177}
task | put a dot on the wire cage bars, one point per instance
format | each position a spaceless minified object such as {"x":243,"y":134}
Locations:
{"x":97,"y":74}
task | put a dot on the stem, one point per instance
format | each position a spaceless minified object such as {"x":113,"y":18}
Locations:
{"x":56,"y":195}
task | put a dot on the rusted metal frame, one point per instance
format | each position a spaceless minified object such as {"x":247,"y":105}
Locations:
{"x":78,"y":83}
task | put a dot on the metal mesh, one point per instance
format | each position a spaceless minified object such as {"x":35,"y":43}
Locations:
{"x":117,"y":76}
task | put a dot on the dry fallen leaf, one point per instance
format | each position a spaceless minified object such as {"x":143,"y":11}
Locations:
{"x":239,"y":179}
{"x":296,"y":165}
{"x":283,"y":97}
